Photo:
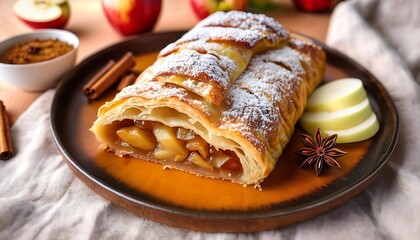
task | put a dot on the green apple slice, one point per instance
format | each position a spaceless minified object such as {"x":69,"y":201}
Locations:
{"x":337,"y":120}
{"x":337,"y":95}
{"x":363,"y":131}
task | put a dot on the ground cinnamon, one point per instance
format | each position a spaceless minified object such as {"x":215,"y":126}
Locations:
{"x":6,"y":147}
{"x":111,"y":76}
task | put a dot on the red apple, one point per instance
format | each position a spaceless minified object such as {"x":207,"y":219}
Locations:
{"x":43,"y":13}
{"x":132,"y":16}
{"x":313,"y":5}
{"x":203,"y":8}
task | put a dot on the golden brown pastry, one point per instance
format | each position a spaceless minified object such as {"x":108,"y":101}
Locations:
{"x":220,"y":102}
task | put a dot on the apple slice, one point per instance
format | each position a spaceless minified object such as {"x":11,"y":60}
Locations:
{"x":218,"y":158}
{"x":341,"y":107}
{"x":169,"y":147}
{"x":199,"y":145}
{"x":337,"y":95}
{"x":337,"y":120}
{"x":197,"y":160}
{"x":138,"y":138}
{"x":43,"y":13}
{"x":363,"y":131}
{"x":185,"y":134}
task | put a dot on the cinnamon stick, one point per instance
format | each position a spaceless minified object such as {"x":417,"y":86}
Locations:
{"x":6,"y":147}
{"x":97,"y":76}
{"x":127,"y":80}
{"x":111,"y":76}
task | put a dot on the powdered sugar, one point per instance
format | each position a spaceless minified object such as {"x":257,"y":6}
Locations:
{"x":198,"y":45}
{"x":195,"y":65}
{"x":254,"y":99}
{"x":247,"y":29}
{"x":246,"y":37}
{"x":197,"y":86}
{"x":287,"y":56}
{"x":152,"y":90}
{"x":252,"y":115}
{"x":260,"y":24}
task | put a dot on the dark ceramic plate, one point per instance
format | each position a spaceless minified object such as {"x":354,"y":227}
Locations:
{"x":179,"y":199}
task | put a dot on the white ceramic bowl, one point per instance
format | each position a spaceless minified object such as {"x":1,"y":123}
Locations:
{"x":42,"y":75}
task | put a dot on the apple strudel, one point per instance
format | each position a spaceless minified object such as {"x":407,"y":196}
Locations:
{"x":220,"y":102}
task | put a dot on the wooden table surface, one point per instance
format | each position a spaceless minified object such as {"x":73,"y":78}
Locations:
{"x":88,"y":22}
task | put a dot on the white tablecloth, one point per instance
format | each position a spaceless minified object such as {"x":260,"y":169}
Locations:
{"x":40,"y":198}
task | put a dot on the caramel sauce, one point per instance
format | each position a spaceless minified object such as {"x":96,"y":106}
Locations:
{"x":286,"y":183}
{"x":145,"y":60}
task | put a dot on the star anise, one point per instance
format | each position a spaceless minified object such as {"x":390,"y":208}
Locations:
{"x":319,"y":150}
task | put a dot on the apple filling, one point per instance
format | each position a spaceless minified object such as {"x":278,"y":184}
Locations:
{"x":177,"y":144}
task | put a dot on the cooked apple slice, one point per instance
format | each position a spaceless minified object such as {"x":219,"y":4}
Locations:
{"x":226,"y":160}
{"x":363,"y":131}
{"x":137,"y":138}
{"x":185,"y":134}
{"x":169,"y":147}
{"x":218,"y":158}
{"x":197,"y":160}
{"x":337,"y":95}
{"x":163,"y":154}
{"x":337,"y":120}
{"x":199,"y":145}
{"x":233,"y":165}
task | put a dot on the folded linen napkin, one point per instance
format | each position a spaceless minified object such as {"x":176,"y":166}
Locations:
{"x":40,"y":198}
